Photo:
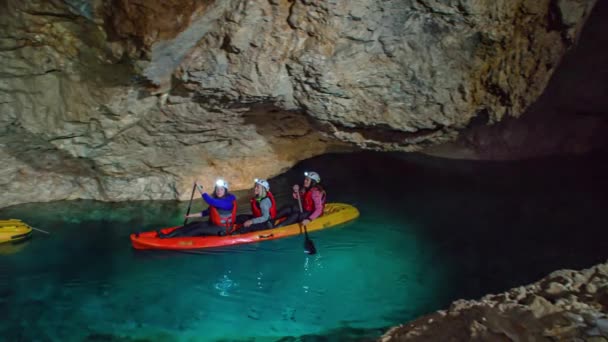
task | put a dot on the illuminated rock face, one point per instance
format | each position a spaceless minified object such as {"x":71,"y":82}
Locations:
{"x":120,"y":100}
{"x":567,"y":305}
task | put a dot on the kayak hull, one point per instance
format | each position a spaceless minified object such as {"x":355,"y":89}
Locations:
{"x":333,"y":215}
{"x":14,"y":230}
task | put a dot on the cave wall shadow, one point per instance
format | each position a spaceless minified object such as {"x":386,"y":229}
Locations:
{"x":571,"y":115}
{"x":493,"y":225}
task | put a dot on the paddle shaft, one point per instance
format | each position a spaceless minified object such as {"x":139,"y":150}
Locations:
{"x":300,"y":206}
{"x":40,"y":230}
{"x":309,"y":246}
{"x":299,"y":201}
{"x":190,"y":204}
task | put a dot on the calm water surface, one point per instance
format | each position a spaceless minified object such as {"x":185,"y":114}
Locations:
{"x":431,"y":231}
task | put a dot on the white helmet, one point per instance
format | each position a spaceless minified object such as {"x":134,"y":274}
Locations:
{"x":221,"y":183}
{"x":263,"y":183}
{"x":313,"y":175}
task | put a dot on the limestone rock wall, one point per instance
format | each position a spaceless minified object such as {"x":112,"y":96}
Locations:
{"x":127,"y":100}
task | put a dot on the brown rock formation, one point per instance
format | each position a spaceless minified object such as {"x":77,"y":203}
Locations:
{"x":118,"y":100}
{"x":142,"y":23}
{"x":567,"y":305}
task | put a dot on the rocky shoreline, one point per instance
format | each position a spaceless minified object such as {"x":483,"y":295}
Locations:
{"x":567,"y":305}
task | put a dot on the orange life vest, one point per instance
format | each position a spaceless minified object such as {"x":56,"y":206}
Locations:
{"x":308,"y":204}
{"x":223,"y":221}
{"x":255,"y":206}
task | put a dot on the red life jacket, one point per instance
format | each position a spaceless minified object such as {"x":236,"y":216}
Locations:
{"x":308,"y":204}
{"x":216,"y":219}
{"x":255,"y":206}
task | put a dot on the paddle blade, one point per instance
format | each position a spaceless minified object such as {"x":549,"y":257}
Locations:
{"x":309,"y":247}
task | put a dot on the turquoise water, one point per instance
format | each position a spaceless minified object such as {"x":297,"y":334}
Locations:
{"x":431,"y":231}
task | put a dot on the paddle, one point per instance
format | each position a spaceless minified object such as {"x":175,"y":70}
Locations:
{"x":40,"y":230}
{"x":309,"y":246}
{"x":190,"y":204}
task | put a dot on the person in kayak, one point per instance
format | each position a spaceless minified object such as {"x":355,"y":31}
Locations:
{"x":221,"y":212}
{"x":263,"y":209}
{"x":312,"y":196}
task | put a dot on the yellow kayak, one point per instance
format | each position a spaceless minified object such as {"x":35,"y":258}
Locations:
{"x":14,"y":230}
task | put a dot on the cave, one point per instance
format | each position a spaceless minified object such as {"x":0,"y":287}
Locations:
{"x":459,"y":146}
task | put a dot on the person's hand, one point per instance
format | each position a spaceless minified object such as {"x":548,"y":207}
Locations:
{"x":200,"y":188}
{"x":247,"y":223}
{"x":193,"y":215}
{"x":296,"y":188}
{"x":305,"y":222}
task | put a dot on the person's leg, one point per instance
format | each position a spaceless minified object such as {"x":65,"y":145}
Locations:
{"x":200,"y":228}
{"x":183,"y":231}
{"x":256,"y":227}
{"x":208,"y":230}
{"x":286,"y":211}
{"x":294,"y":217}
{"x":304,"y":215}
{"x":261,"y":226}
{"x":240,"y":219}
{"x":291,"y":218}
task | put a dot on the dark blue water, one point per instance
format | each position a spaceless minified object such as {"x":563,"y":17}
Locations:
{"x":431,"y":231}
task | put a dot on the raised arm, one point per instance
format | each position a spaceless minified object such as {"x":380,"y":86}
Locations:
{"x":224,"y":203}
{"x":296,"y":189}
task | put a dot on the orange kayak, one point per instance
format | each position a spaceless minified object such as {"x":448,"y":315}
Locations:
{"x":333,"y":215}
